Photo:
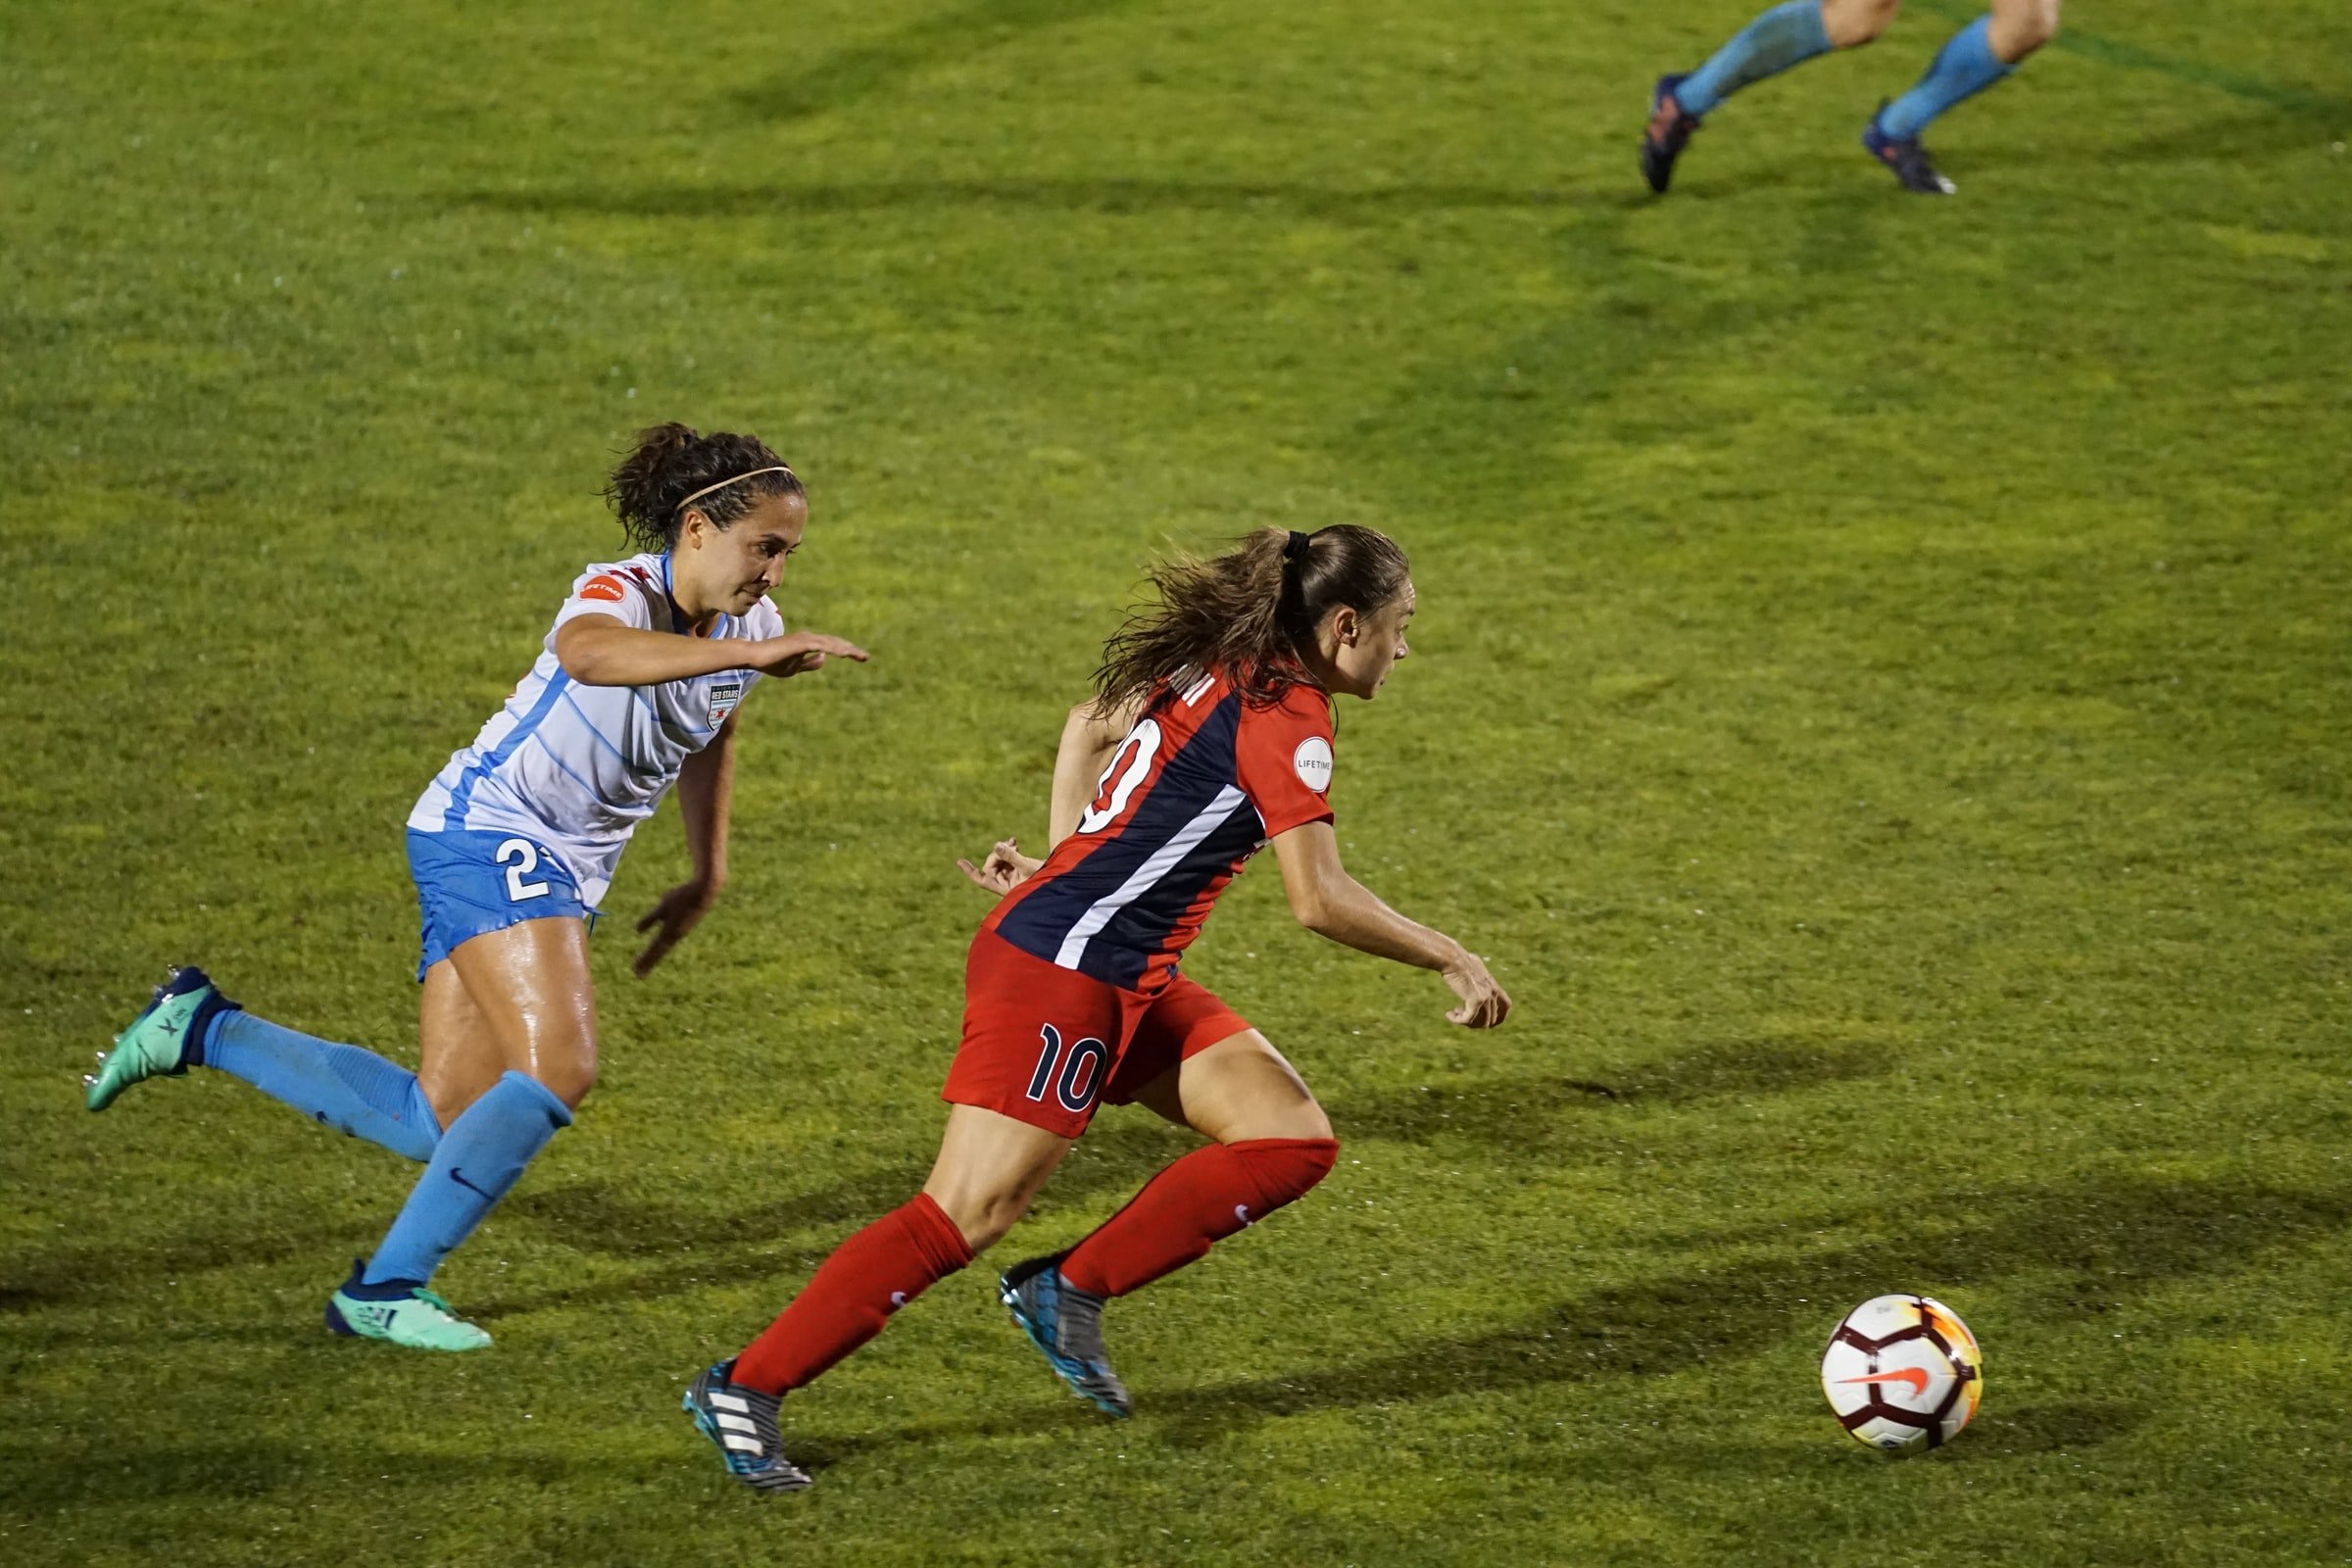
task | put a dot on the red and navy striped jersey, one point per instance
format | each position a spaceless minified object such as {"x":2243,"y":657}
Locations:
{"x":1198,"y":784}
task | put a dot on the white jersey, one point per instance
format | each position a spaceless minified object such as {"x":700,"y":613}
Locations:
{"x":576,"y":767}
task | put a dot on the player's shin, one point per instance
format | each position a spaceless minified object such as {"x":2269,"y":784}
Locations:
{"x":853,"y":1294}
{"x":475,"y":1163}
{"x":1204,"y":1198}
{"x":349,"y":1088}
{"x":1786,"y":35}
{"x":1963,"y":67}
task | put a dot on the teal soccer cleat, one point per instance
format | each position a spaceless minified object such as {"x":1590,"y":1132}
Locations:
{"x":743,"y":1425}
{"x":164,"y":1041}
{"x":400,"y":1312}
{"x":1066,"y":1323}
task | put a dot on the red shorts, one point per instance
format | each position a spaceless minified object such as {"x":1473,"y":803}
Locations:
{"x":1046,"y":1045}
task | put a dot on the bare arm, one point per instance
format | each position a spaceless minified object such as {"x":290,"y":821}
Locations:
{"x":601,"y":651}
{"x":1089,"y":737}
{"x":1328,"y":902}
{"x":706,"y":786}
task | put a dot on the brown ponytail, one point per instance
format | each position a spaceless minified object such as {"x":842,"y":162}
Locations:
{"x":1250,"y":611}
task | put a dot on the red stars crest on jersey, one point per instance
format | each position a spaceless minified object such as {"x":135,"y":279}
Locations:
{"x":1199,"y":782}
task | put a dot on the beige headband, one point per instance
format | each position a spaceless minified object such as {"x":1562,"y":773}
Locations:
{"x":723,"y":483}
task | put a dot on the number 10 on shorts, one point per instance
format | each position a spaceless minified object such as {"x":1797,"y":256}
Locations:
{"x":1080,"y":1075}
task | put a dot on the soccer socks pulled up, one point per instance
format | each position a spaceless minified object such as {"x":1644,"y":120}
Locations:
{"x":478,"y":1161}
{"x":1204,"y":1198}
{"x":1786,"y":35}
{"x":852,"y":1294}
{"x":349,"y":1088}
{"x":1964,"y":67}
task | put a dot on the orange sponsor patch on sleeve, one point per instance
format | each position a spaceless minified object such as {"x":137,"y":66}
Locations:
{"x":605,"y":588}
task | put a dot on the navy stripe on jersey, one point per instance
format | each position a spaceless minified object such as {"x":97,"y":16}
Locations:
{"x":1110,"y":914}
{"x":1146,"y":922}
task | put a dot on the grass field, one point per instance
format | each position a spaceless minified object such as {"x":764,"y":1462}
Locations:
{"x":1880,"y":697}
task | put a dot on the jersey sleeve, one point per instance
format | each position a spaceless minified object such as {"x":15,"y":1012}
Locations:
{"x":1283,"y":755}
{"x":614,"y":591}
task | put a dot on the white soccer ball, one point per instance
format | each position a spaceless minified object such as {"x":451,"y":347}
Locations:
{"x":1903,"y":1373}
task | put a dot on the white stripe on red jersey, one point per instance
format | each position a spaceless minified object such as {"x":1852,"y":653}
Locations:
{"x":1198,"y":785}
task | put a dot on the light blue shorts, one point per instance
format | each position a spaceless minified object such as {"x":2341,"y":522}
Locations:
{"x":470,"y":883}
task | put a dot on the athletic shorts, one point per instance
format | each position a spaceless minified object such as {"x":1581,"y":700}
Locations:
{"x":470,"y":883}
{"x":1046,"y":1045}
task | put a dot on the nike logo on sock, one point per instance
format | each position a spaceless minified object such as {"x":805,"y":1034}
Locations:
{"x":1241,"y":1211}
{"x":458,"y":1176}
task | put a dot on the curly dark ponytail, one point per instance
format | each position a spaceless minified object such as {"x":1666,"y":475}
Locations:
{"x":1249,"y":612}
{"x":668,"y":463}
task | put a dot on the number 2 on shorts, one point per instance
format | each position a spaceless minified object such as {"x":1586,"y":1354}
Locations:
{"x":524,"y":857}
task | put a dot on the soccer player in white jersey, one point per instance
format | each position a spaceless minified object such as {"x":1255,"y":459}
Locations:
{"x":512,"y":846}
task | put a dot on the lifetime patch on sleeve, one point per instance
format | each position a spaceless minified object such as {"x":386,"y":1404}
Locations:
{"x":606,"y":588}
{"x":1311,"y":762}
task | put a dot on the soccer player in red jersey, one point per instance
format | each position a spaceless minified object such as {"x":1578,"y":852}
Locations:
{"x":1209,"y":736}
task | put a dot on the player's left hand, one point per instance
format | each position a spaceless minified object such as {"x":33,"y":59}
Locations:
{"x":1005,"y":869}
{"x":679,"y":911}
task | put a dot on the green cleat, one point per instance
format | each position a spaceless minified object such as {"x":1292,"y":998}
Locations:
{"x":413,"y":1316}
{"x":164,"y":1041}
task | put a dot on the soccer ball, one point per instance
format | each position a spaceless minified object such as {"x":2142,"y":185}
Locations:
{"x":1903,"y":1373}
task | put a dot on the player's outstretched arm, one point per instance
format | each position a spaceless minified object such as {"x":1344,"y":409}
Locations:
{"x":706,"y":788}
{"x":1330,"y":902}
{"x":601,"y":651}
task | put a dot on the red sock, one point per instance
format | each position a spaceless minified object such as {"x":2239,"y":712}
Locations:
{"x":852,"y":1294}
{"x":1204,"y":1198}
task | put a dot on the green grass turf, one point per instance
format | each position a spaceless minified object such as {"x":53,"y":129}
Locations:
{"x":1879,"y":696}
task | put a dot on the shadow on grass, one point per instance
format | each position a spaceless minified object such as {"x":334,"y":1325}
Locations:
{"x":1528,"y":1112}
{"x":2104,"y":1241}
{"x":850,"y":76}
{"x":81,"y":1273}
{"x":1368,"y":203}
{"x":1124,"y":1151}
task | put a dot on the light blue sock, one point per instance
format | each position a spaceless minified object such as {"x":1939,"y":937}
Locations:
{"x":1964,"y":67}
{"x":351,"y":1090}
{"x":1786,"y":35}
{"x":480,"y":1156}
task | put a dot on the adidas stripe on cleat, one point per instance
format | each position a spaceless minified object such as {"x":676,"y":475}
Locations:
{"x":1066,"y":1323}
{"x":163,"y":1042}
{"x":743,"y":1425}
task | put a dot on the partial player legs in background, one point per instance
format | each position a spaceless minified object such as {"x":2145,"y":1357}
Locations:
{"x":1786,"y":35}
{"x":1972,"y":60}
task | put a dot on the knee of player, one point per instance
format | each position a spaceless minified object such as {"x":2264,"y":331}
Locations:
{"x":1308,"y":1123}
{"x":568,"y":1081}
{"x":2034,"y":25}
{"x":1850,"y":24}
{"x":984,"y":1218}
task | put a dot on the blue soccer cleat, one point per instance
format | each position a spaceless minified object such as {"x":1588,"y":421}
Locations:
{"x":1066,"y":1323}
{"x":743,"y":1425}
{"x":1666,"y":135}
{"x":163,"y":1042}
{"x":1905,"y":159}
